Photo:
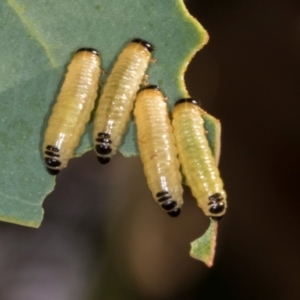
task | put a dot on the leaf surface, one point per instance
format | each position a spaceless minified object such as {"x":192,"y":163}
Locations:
{"x":38,"y":39}
{"x":204,"y":247}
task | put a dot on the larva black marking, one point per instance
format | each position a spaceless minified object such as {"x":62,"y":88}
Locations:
{"x":103,"y":140}
{"x":175,"y":212}
{"x":166,"y":202}
{"x":103,"y":149}
{"x":52,"y":154}
{"x":103,"y":135}
{"x":169,"y":205}
{"x":52,"y":165}
{"x":54,"y":149}
{"x":162,"y":199}
{"x":163,"y":193}
{"x":217,"y":208}
{"x":215,"y":198}
{"x":52,"y":162}
{"x":102,"y":146}
{"x":216,"y":203}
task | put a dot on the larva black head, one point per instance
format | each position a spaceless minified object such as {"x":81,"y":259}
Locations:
{"x":175,"y":212}
{"x":53,"y":171}
{"x":187,"y":100}
{"x":146,"y":44}
{"x":103,"y":160}
{"x":151,"y":87}
{"x":217,"y":208}
{"x":92,"y":50}
{"x":169,"y":205}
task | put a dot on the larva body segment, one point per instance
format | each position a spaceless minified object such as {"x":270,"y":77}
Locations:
{"x":158,"y":151}
{"x":72,"y":110}
{"x":197,"y":162}
{"x":116,"y":101}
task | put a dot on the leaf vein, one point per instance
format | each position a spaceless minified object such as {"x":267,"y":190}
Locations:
{"x":32,"y":30}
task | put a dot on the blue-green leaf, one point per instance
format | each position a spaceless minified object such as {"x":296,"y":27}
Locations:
{"x":38,"y":39}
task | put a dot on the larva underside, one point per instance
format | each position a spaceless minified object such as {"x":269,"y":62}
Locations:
{"x":197,"y":162}
{"x":116,"y":101}
{"x":157,"y":150}
{"x":72,"y":110}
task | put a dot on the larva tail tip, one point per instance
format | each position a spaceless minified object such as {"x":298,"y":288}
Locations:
{"x":187,"y":100}
{"x":53,"y":171}
{"x":146,"y":44}
{"x":92,"y":50}
{"x":174,"y":213}
{"x":103,"y":160}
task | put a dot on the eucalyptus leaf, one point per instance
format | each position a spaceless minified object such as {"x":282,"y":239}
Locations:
{"x":38,"y":39}
{"x":204,"y":247}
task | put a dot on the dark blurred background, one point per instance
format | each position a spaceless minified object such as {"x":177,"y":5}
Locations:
{"x":103,"y":237}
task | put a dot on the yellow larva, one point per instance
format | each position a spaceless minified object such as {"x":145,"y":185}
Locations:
{"x":197,"y":162}
{"x":116,"y":101}
{"x":157,"y":149}
{"x":72,"y":110}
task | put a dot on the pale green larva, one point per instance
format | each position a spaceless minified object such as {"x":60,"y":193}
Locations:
{"x":196,"y":159}
{"x":72,"y":110}
{"x":116,"y":102}
{"x":157,"y":149}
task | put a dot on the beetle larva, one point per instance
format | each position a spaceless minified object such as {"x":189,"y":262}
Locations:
{"x":197,"y":162}
{"x":72,"y":110}
{"x":157,"y":149}
{"x":116,"y":101}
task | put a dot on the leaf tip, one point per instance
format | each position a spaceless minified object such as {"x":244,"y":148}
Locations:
{"x":203,"y":248}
